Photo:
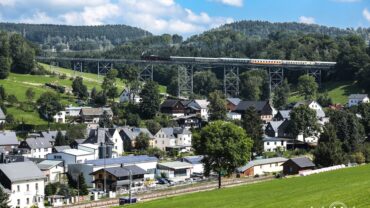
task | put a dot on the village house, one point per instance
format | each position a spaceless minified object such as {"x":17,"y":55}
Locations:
{"x":118,"y":178}
{"x":273,"y":144}
{"x":231,"y":103}
{"x":37,"y":147}
{"x":51,"y":135}
{"x":282,"y":115}
{"x":129,"y":135}
{"x":71,"y":156}
{"x":175,"y":171}
{"x":296,"y":165}
{"x":93,"y":148}
{"x":24,"y":182}
{"x":277,"y":128}
{"x":8,"y":141}
{"x":147,"y":163}
{"x":356,"y":99}
{"x":234,"y":116}
{"x":314,"y":106}
{"x":264,"y":109}
{"x":60,"y":117}
{"x":168,"y":139}
{"x":262,"y":166}
{"x":52,"y":170}
{"x":196,"y":162}
{"x":91,"y":116}
{"x":108,"y":137}
{"x":190,"y":121}
{"x":175,"y":108}
{"x":128,"y":96}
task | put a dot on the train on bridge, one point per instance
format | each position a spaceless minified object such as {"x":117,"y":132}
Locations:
{"x":237,"y":60}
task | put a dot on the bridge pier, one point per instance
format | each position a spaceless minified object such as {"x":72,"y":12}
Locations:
{"x":104,"y":67}
{"x":77,"y":66}
{"x":146,"y":73}
{"x":276,"y":76}
{"x":185,"y":80}
{"x":231,"y":81}
{"x":316,"y":73}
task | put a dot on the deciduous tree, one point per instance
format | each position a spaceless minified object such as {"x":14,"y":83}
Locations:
{"x":307,"y":87}
{"x":217,"y":106}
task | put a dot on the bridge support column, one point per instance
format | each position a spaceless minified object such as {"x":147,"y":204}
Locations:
{"x":77,"y":66}
{"x":104,"y":67}
{"x":146,"y":73}
{"x":316,"y":73}
{"x":231,"y":81}
{"x":185,"y":80}
{"x":276,"y":76}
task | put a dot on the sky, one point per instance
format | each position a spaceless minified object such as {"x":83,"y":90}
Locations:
{"x":186,"y":17}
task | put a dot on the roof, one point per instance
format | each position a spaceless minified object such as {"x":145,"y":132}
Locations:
{"x":257,"y":105}
{"x":358,"y":96}
{"x":319,"y":112}
{"x":51,"y":135}
{"x":20,"y":171}
{"x":202,"y":103}
{"x":173,"y":132}
{"x":95,"y":111}
{"x":91,"y":146}
{"x":100,"y":135}
{"x":123,"y":160}
{"x":234,"y":101}
{"x":76,"y":152}
{"x":275,"y":124}
{"x":61,"y":148}
{"x":169,"y":103}
{"x":274,"y":139}
{"x":48,"y":164}
{"x":197,"y":159}
{"x":124,"y":171}
{"x":132,"y":133}
{"x":175,"y":165}
{"x":285,"y":114}
{"x":303,"y":162}
{"x":2,"y":115}
{"x":8,"y":138}
{"x":38,"y":142}
{"x":261,"y":162}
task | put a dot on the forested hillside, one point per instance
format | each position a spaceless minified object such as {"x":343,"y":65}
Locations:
{"x":62,"y":37}
{"x":263,"y":29}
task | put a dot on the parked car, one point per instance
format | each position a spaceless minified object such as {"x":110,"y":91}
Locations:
{"x":162,"y":181}
{"x":126,"y":200}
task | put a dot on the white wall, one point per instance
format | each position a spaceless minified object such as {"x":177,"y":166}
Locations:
{"x":70,"y":159}
{"x":53,"y":175}
{"x":118,"y":142}
{"x":170,"y":174}
{"x":24,"y":194}
{"x":38,"y":153}
{"x":198,"y":168}
{"x":184,"y":139}
{"x":353,"y":102}
{"x":271,"y":146}
{"x":268,"y":168}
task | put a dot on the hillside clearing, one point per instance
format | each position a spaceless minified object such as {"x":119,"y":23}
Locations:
{"x":350,"y":186}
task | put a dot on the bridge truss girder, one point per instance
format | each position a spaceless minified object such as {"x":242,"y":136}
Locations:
{"x":231,"y":81}
{"x":316,"y":73}
{"x":104,"y":67}
{"x":185,"y":80}
{"x":276,"y":78}
{"x":53,"y":65}
{"x":77,"y":66}
{"x":145,"y":73}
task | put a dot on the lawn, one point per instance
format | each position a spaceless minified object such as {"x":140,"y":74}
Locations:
{"x":338,"y":91}
{"x":350,"y":186}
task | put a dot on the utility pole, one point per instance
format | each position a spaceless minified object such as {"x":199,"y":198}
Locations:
{"x":130,"y":183}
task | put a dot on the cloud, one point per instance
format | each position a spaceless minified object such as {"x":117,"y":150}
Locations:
{"x":306,"y":20}
{"x":157,"y":16}
{"x":366,"y":14}
{"x":236,"y":3}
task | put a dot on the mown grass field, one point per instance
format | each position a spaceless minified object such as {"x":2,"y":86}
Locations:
{"x":350,"y":186}
{"x":338,"y":91}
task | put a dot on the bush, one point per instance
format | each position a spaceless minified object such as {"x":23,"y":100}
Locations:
{"x":358,"y":158}
{"x":63,"y":76}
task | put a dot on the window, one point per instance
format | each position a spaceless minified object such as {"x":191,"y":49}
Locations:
{"x":18,"y":188}
{"x":37,"y":186}
{"x":282,"y":143}
{"x":57,"y":157}
{"x":100,"y":175}
{"x":275,"y":143}
{"x":268,"y":143}
{"x":18,"y":202}
{"x":162,"y":142}
{"x":40,"y":150}
{"x":46,"y":149}
{"x":28,"y":187}
{"x":28,"y":200}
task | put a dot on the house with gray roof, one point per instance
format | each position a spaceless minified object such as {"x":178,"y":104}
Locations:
{"x":295,"y":165}
{"x":196,"y":162}
{"x":51,"y":135}
{"x":264,"y":109}
{"x":119,"y":177}
{"x":262,"y":166}
{"x":8,"y":140}
{"x":107,"y":136}
{"x":91,"y":116}
{"x":175,"y":171}
{"x":52,"y":170}
{"x":37,"y":147}
{"x":2,"y":116}
{"x":356,"y":99}
{"x":177,"y":138}
{"x":231,"y":103}
{"x":314,"y":106}
{"x":282,"y":115}
{"x":277,"y":128}
{"x":274,"y":144}
{"x":25,"y":182}
{"x":129,"y":135}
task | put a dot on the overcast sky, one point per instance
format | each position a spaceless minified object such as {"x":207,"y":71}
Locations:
{"x":185,"y":17}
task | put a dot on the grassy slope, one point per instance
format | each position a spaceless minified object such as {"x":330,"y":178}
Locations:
{"x":350,"y":186}
{"x":338,"y":91}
